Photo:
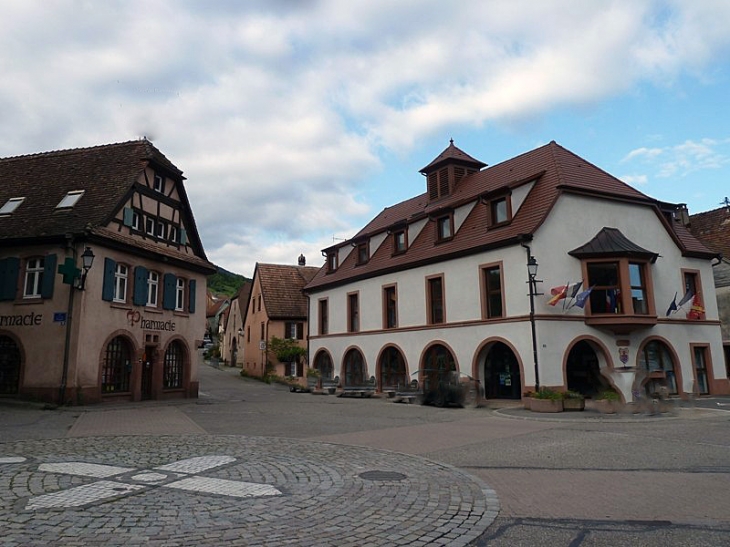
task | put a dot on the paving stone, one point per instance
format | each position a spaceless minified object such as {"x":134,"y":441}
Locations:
{"x":176,"y":491}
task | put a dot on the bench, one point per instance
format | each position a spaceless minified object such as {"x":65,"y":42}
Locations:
{"x":407,"y":393}
{"x":366,"y":390}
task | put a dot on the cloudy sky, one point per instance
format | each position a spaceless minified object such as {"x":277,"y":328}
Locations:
{"x":295,"y":122}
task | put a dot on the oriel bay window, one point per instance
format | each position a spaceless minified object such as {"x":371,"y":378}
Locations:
{"x":618,"y":287}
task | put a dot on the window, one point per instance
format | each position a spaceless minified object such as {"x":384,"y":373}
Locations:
{"x":692,"y":287}
{"x":160,"y":229}
{"x":173,"y":366}
{"x":33,"y":278}
{"x":332,"y":261}
{"x":159,"y":184}
{"x":121,"y":274}
{"x":180,"y":294}
{"x":248,"y":333}
{"x":400,"y":243}
{"x":135,"y":220}
{"x":611,"y":281}
{"x":117,"y":368}
{"x":294,"y":330}
{"x":498,"y":211}
{"x":435,"y":300}
{"x":363,"y":254}
{"x":390,"y":307}
{"x":353,"y":312}
{"x":150,"y":226}
{"x":638,"y":289}
{"x":259,"y":302}
{"x":444,"y":228}
{"x":323,"y":317}
{"x":174,"y":234}
{"x":262,"y":331}
{"x":11,"y":205}
{"x":656,"y":359}
{"x":153,"y":285}
{"x":492,"y":292}
{"x":70,"y":199}
{"x":702,"y":381}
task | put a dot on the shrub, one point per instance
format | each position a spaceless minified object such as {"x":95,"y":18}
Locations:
{"x":572,"y":395}
{"x":547,"y":393}
{"x":608,"y":395}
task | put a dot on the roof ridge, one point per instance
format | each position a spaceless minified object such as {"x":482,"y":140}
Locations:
{"x":77,"y":150}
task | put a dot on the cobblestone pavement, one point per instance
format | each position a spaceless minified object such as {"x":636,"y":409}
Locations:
{"x":232,"y":490}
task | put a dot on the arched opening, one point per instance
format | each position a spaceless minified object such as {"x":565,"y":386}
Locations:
{"x":657,"y":366}
{"x":583,"y":372}
{"x":323,"y":363}
{"x":234,"y":352}
{"x":392,"y":369}
{"x":117,"y":367}
{"x":502,"y":379}
{"x":355,"y":373}
{"x":9,"y":366}
{"x":173,"y":371}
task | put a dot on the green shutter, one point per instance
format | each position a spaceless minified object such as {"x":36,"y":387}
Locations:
{"x":49,"y":276}
{"x":9,"y":268}
{"x":191,"y":296}
{"x":168,"y":291}
{"x":140,"y":286}
{"x":183,"y":236}
{"x":128,"y":216}
{"x":107,"y":290}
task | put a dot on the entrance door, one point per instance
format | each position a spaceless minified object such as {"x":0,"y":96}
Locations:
{"x":147,"y":372}
{"x":502,"y":373}
{"x":583,"y":371}
{"x":9,"y":366}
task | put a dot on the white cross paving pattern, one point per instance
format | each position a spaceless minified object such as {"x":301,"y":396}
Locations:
{"x":180,"y":475}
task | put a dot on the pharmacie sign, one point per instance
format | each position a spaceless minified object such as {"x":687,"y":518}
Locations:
{"x":31,"y":319}
{"x":134,"y":317}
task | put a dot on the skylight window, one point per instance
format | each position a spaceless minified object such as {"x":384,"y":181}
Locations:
{"x":70,"y":199}
{"x":11,"y":205}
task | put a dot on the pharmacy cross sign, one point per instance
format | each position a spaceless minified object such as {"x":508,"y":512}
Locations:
{"x":116,"y":482}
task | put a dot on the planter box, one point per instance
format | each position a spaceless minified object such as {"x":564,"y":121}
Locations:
{"x":546,"y":405}
{"x":607,"y":407}
{"x":574,"y":404}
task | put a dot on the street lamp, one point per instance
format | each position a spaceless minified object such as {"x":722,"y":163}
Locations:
{"x":87,"y":261}
{"x":532,"y":272}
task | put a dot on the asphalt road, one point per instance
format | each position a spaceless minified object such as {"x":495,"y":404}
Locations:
{"x":577,"y":479}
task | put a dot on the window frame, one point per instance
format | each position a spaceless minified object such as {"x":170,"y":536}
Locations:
{"x":363,"y":253}
{"x":493,"y":205}
{"x":400,"y":248}
{"x":332,"y":261}
{"x":121,"y":283}
{"x":158,"y":183}
{"x":696,"y":279}
{"x":180,"y":283}
{"x":71,"y":198}
{"x":10,"y":206}
{"x":293,"y":330}
{"x":153,"y":289}
{"x":353,"y":312}
{"x":150,"y":226}
{"x":431,"y":310}
{"x":624,"y":297}
{"x":442,"y":222}
{"x":323,"y":316}
{"x":702,"y":350}
{"x":34,"y":273}
{"x":487,"y":290}
{"x":390,"y":304}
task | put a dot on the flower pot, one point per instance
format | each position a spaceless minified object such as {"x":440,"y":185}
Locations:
{"x":606,"y":407}
{"x":574,"y":404}
{"x":546,"y":405}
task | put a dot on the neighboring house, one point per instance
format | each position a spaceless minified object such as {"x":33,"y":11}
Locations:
{"x":276,"y":307}
{"x":129,"y":326}
{"x":439,"y":282}
{"x":232,"y":334}
{"x":217,"y":305}
{"x":713,"y":229}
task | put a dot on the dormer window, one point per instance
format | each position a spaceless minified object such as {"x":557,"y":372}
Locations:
{"x":444,"y":228}
{"x":70,"y":199}
{"x":11,"y":205}
{"x":363,"y":253}
{"x":400,"y":243}
{"x":159,"y":184}
{"x":498,"y":211}
{"x":332,"y":261}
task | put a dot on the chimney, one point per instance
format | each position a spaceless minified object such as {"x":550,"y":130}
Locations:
{"x":302,"y":260}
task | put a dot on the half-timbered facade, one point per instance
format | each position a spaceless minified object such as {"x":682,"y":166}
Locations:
{"x":126,"y":328}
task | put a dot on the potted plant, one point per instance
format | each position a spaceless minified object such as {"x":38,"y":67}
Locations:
{"x":608,"y":401}
{"x":546,"y":400}
{"x":572,"y":400}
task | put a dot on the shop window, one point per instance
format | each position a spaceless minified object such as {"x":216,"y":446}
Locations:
{"x":173,"y":367}
{"x":117,"y":367}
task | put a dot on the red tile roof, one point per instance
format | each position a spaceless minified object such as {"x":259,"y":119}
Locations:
{"x":713,"y":229}
{"x":555,"y":170}
{"x":281,"y":289}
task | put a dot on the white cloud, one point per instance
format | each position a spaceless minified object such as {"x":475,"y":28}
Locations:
{"x":278,"y":111}
{"x":635,"y":180}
